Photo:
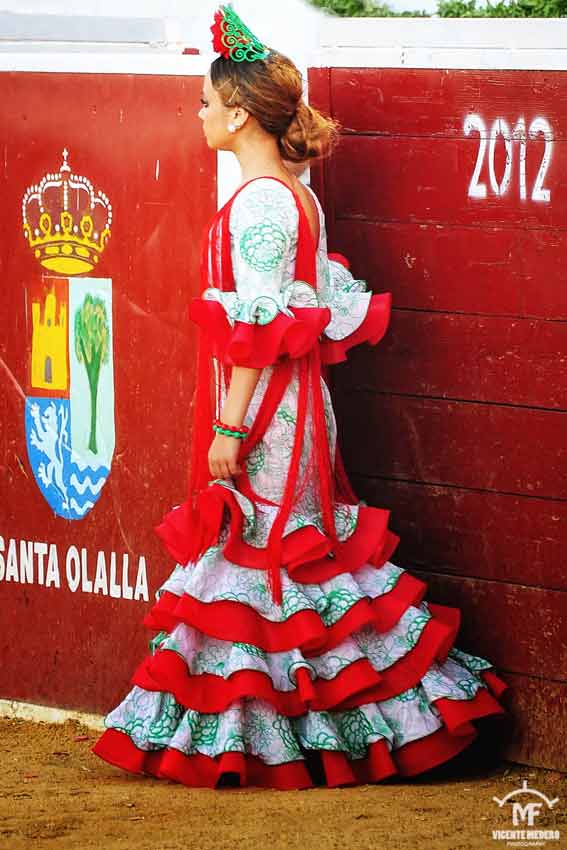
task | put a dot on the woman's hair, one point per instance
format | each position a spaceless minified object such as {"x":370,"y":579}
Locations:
{"x":271,"y":90}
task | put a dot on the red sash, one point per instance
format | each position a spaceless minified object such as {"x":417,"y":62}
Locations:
{"x":189,"y":530}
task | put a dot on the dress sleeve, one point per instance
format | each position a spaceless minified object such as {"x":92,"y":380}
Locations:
{"x":269,"y":314}
{"x":356,"y":314}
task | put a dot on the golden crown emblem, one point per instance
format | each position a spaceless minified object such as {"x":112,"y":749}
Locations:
{"x":66,"y":223}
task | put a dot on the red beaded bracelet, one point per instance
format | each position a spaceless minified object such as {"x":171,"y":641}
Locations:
{"x":243,"y":429}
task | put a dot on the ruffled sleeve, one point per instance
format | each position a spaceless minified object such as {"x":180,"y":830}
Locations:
{"x":356,"y":314}
{"x":269,"y":314}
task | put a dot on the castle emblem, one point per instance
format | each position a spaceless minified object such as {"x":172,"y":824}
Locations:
{"x":69,"y":408}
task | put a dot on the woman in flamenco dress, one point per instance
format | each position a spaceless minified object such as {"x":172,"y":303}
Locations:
{"x":290,"y":651}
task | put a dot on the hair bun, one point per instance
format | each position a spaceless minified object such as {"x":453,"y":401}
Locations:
{"x":310,"y":134}
{"x":268,"y":89}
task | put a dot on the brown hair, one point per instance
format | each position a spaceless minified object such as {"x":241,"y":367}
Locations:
{"x":271,"y":90}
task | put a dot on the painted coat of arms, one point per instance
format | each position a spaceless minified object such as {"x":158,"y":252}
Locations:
{"x":69,"y":408}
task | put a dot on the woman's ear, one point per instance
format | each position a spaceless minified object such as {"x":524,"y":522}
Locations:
{"x":240,"y":115}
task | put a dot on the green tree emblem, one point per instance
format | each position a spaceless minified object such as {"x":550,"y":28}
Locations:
{"x":92,"y":334}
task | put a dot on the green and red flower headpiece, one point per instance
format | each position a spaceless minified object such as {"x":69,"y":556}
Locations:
{"x":232,"y":38}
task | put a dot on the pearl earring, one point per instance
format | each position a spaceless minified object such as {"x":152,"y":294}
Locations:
{"x":232,"y":128}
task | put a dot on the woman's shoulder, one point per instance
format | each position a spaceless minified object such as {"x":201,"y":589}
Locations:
{"x":264,"y":199}
{"x":264,"y":187}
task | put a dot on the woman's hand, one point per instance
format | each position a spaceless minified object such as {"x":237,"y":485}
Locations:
{"x":223,"y":456}
{"x":224,"y":451}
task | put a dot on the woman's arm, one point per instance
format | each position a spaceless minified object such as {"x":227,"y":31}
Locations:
{"x":223,"y":452}
{"x":264,"y":206}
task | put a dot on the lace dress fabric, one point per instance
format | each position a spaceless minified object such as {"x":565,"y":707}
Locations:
{"x":354,"y":672}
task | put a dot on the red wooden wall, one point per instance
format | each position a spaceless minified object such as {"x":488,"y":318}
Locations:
{"x":138,"y":139}
{"x":457,"y":421}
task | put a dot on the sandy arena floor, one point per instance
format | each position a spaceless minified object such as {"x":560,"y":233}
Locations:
{"x":55,"y":793}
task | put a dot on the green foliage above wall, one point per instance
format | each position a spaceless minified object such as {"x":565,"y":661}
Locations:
{"x":503,"y":9}
{"x":363,"y":9}
{"x":449,"y":9}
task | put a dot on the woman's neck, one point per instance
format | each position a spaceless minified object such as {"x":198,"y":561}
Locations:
{"x":262,"y":160}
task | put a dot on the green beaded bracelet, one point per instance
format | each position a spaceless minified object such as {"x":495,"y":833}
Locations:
{"x":228,"y":433}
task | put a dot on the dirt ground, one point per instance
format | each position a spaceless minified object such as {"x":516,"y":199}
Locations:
{"x":55,"y":793}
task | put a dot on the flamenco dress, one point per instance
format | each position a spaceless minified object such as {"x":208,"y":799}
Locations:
{"x":289,"y":650}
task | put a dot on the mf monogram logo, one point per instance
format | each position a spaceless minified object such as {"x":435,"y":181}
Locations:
{"x":527,"y":813}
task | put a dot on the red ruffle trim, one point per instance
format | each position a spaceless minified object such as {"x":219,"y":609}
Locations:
{"x":457,"y":714}
{"x":234,"y":621}
{"x":339,"y":258}
{"x":371,"y":330}
{"x":199,"y":770}
{"x":495,"y":683}
{"x":304,"y":551}
{"x":255,"y":345}
{"x":167,"y":671}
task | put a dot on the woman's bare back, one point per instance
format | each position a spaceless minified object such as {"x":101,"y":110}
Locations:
{"x":306,"y":199}
{"x":309,"y":207}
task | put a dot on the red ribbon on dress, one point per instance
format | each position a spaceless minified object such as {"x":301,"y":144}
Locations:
{"x":197,"y":527}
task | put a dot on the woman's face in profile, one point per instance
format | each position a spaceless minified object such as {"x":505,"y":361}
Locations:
{"x":215,"y":117}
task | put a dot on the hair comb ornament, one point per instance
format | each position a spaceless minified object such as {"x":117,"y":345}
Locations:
{"x":232,"y":38}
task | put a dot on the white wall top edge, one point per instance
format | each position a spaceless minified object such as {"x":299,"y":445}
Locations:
{"x":482,"y":59}
{"x":514,"y":44}
{"x":76,"y":47}
{"x":478,"y":33}
{"x":444,"y":43}
{"x":81,"y":28}
{"x":136,"y":61}
{"x":106,"y":63}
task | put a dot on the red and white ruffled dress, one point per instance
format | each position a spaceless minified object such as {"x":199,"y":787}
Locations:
{"x":288,"y":645}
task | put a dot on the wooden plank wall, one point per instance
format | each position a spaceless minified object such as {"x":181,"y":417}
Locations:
{"x":138,"y":139}
{"x":457,"y":421}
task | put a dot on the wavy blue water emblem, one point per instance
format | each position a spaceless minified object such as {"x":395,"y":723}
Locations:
{"x":70,"y":486}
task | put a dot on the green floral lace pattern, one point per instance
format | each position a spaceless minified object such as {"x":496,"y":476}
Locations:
{"x":214,"y":579}
{"x":205,"y":654}
{"x":348,"y":300}
{"x":155,"y":720}
{"x":258,"y":519}
{"x":264,"y":234}
{"x":263,"y":307}
{"x":263,"y":245}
